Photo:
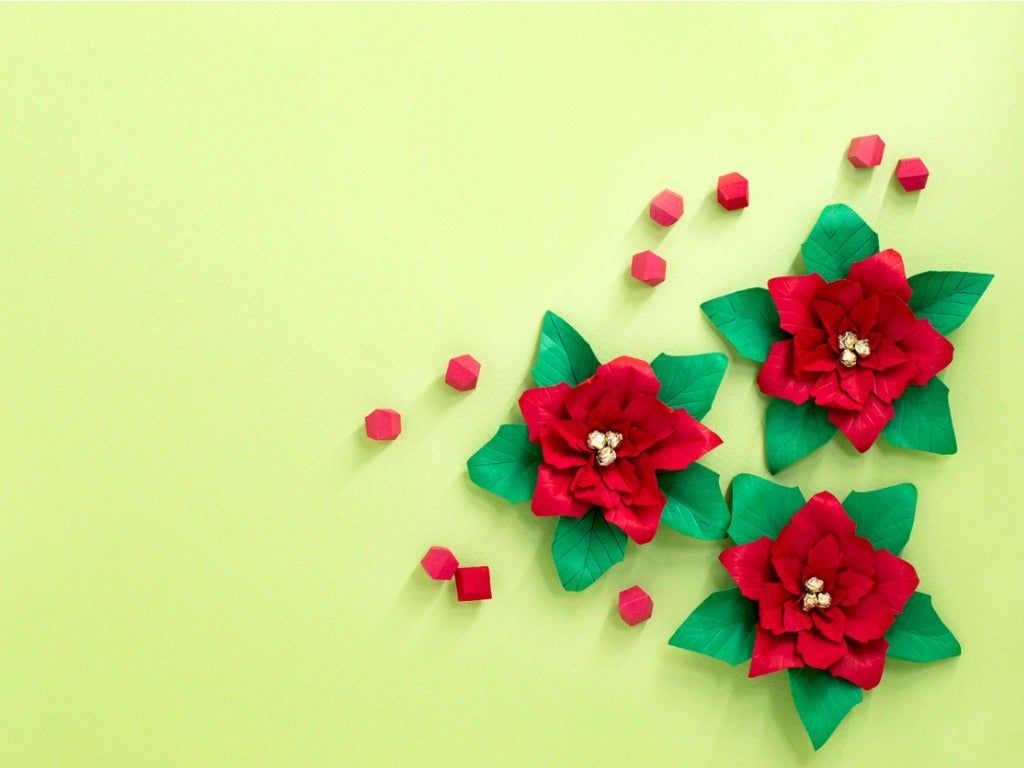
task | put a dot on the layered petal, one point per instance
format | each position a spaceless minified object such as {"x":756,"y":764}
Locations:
{"x":688,"y":441}
{"x":793,"y":297}
{"x":863,"y":663}
{"x":864,"y":426}
{"x":869,"y":619}
{"x":630,"y":377}
{"x":638,"y":521}
{"x":553,"y":497}
{"x":777,"y":377}
{"x":773,"y":653}
{"x":542,"y":405}
{"x":882,"y":272}
{"x":819,"y":651}
{"x":929,"y":349}
{"x":749,"y":566}
{"x":895,"y":579}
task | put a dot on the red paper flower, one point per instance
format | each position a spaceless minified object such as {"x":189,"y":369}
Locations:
{"x":825,"y":596}
{"x":603,"y":441}
{"x":856,"y":345}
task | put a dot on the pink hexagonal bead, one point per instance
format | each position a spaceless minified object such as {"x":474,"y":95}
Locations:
{"x":463,"y":372}
{"x":866,"y":151}
{"x":383,"y":424}
{"x":648,"y":267}
{"x":667,"y":207}
{"x":635,"y":605}
{"x":912,"y":173}
{"x":733,"y":191}
{"x":440,"y":563}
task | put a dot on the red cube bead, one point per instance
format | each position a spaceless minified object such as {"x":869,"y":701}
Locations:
{"x":667,"y":207}
{"x":383,"y":424}
{"x":473,"y":583}
{"x":463,"y":372}
{"x":635,"y":605}
{"x":733,"y":191}
{"x":648,"y":267}
{"x":440,"y":563}
{"x":866,"y":151}
{"x":912,"y":173}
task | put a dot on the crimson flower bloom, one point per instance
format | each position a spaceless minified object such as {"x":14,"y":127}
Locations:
{"x":825,"y":596}
{"x":603,"y":441}
{"x":856,"y":345}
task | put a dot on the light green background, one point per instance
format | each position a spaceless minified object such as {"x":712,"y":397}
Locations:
{"x":227,"y":233}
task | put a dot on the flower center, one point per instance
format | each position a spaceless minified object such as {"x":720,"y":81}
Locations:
{"x":852,"y":349}
{"x":814,"y":597}
{"x":603,"y":444}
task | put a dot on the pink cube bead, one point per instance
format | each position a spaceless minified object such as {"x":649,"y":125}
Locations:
{"x":440,"y":563}
{"x":667,"y":207}
{"x":733,"y":191}
{"x":473,"y":583}
{"x":462,"y":373}
{"x":648,"y":267}
{"x":912,"y":173}
{"x":383,"y":424}
{"x":866,"y":151}
{"x":635,"y":605}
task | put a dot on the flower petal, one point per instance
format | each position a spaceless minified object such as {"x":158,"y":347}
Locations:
{"x":794,"y":618}
{"x":793,"y":297}
{"x":688,"y":441}
{"x":771,"y":607}
{"x":895,"y":317}
{"x":846,"y":293}
{"x":542,"y":405}
{"x":863,"y":663}
{"x":929,"y":349}
{"x":882,"y":272}
{"x":777,"y":377}
{"x":790,"y":570}
{"x":851,"y":586}
{"x":864,"y":426}
{"x":857,"y":382}
{"x":631,"y":377}
{"x":895,"y":579}
{"x":819,"y":651}
{"x":562,"y":447}
{"x":773,"y":653}
{"x":553,"y":496}
{"x":822,"y":515}
{"x":830,"y":622}
{"x":828,"y":392}
{"x":812,"y":353}
{"x":869,"y":619}
{"x":639,"y":522}
{"x":892,"y":383}
{"x":823,"y":560}
{"x":749,"y":566}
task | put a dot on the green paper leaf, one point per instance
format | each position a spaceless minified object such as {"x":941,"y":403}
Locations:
{"x":761,"y":508}
{"x":690,"y":381}
{"x":922,"y":420}
{"x":584,"y":548}
{"x":947,"y":298}
{"x":918,"y":633}
{"x":822,"y":701}
{"x":884,"y":517}
{"x":748,"y":319}
{"x":723,"y":627}
{"x":507,"y":464}
{"x":562,"y":355}
{"x":838,"y":239}
{"x":792,"y":431}
{"x":694,"y":503}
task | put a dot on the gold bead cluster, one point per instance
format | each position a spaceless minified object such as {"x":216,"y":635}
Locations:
{"x":852,"y":349}
{"x":603,"y":444}
{"x":814,"y":597}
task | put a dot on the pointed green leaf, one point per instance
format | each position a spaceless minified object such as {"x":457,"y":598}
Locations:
{"x":694,"y":503}
{"x":947,"y":298}
{"x":748,"y":319}
{"x":761,"y":507}
{"x":918,"y":633}
{"x":690,"y":381}
{"x":822,"y":701}
{"x":584,"y":548}
{"x":562,"y":355}
{"x":507,"y":464}
{"x":922,"y":420}
{"x":884,"y":517}
{"x":839,"y":238}
{"x":722,"y":627}
{"x":792,"y":431}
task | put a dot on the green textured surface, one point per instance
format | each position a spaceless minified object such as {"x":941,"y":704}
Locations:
{"x":722,"y":627}
{"x":839,"y":238}
{"x":584,"y":548}
{"x":761,"y":508}
{"x":822,"y":701}
{"x":922,"y":420}
{"x":884,"y":516}
{"x":690,"y":381}
{"x":918,"y":634}
{"x":562,"y":354}
{"x":792,"y":431}
{"x":694,"y":502}
{"x":947,"y":298}
{"x":507,"y":464}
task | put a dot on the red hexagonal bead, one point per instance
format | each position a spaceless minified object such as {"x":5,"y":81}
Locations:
{"x":648,"y":267}
{"x":667,"y":207}
{"x":440,"y":563}
{"x":473,"y":583}
{"x":733,"y":191}
{"x":462,"y":373}
{"x":635,"y":605}
{"x":866,"y":151}
{"x":912,"y":173}
{"x":383,"y":424}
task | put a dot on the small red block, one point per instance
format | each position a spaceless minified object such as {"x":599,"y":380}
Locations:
{"x":473,"y":583}
{"x":440,"y":563}
{"x":866,"y":151}
{"x":635,"y":606}
{"x":462,"y":373}
{"x":733,"y":191}
{"x":667,"y":207}
{"x":383,"y":424}
{"x":912,"y":173}
{"x":648,"y":267}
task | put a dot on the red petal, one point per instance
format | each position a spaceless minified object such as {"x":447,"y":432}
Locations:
{"x":830,"y":622}
{"x":846,"y":293}
{"x":857,"y":382}
{"x":863,"y":427}
{"x":794,"y":618}
{"x":820,"y":516}
{"x":882,"y":272}
{"x":885,"y":354}
{"x":895,"y":579}
{"x":823,"y":560}
{"x":542,"y":405}
{"x":637,"y":521}
{"x":863,"y":663}
{"x":832,"y":318}
{"x":828,"y":392}
{"x":851,"y":587}
{"x":859,"y":555}
{"x":749,"y":566}
{"x":562,"y":447}
{"x":771,"y":606}
{"x":777,"y":377}
{"x":895,"y":317}
{"x":773,"y":653}
{"x":812,"y":353}
{"x":818,"y":651}
{"x":929,"y":349}
{"x":864,"y":316}
{"x":688,"y":441}
{"x":649,"y":420}
{"x":632,"y":377}
{"x":793,"y":296}
{"x":790,"y":570}
{"x":869,"y":619}
{"x":553,"y":497}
